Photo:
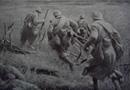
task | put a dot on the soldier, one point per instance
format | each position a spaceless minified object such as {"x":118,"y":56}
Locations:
{"x":105,"y":56}
{"x":60,"y":35}
{"x":30,"y":29}
{"x":84,"y":31}
{"x":12,"y":79}
{"x":83,"y":27}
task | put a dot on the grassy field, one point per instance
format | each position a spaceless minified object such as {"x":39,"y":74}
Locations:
{"x":118,"y":14}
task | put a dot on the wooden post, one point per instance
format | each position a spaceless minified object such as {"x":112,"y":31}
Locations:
{"x":4,"y":37}
{"x":10,"y":38}
{"x":4,"y":32}
{"x":4,"y":29}
{"x":21,"y":21}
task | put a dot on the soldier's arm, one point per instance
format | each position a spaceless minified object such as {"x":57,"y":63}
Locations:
{"x":36,"y":20}
{"x":117,"y":36}
{"x":78,"y":23}
{"x":88,"y":27}
{"x":50,"y":31}
{"x":74,"y":25}
{"x":93,"y":36}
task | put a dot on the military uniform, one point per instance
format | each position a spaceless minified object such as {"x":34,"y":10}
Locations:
{"x":83,"y":28}
{"x":30,"y":29}
{"x":60,"y":36}
{"x":104,"y":62}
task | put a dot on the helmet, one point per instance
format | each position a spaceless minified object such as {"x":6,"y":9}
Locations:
{"x":39,"y":9}
{"x":82,"y":16}
{"x":57,"y":14}
{"x":97,"y":15}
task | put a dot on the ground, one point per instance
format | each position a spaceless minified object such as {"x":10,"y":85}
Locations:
{"x":117,"y":14}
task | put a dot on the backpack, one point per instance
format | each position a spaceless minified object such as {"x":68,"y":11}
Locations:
{"x":118,"y":47}
{"x":53,"y":37}
{"x":28,"y":20}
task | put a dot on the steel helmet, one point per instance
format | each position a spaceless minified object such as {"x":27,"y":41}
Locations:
{"x":57,"y":13}
{"x":97,"y":15}
{"x":82,"y":16}
{"x":39,"y":9}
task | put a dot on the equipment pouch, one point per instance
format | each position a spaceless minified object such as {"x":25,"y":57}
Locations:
{"x":98,"y":53}
{"x":107,"y":42}
{"x":55,"y":42}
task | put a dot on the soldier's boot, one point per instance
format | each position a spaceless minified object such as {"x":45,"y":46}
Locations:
{"x":95,"y":84}
{"x":116,"y":84}
{"x":31,"y":47}
{"x":115,"y":81}
{"x":22,"y":43}
{"x":71,"y":65}
{"x":119,"y":76}
{"x":68,"y":61}
{"x":31,"y":40}
{"x":85,"y":72}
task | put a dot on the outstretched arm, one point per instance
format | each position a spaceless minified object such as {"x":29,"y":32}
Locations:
{"x":74,"y":26}
{"x":117,"y":36}
{"x":93,"y":36}
{"x":50,"y":31}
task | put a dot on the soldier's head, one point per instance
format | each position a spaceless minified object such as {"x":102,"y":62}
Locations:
{"x":82,"y":16}
{"x":97,"y":15}
{"x":38,"y":10}
{"x":57,"y":14}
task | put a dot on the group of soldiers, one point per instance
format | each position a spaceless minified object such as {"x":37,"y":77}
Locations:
{"x":96,"y":40}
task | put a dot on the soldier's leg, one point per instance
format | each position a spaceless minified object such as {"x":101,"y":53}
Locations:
{"x":31,"y":40}
{"x":119,"y":76}
{"x":63,"y":56}
{"x":95,"y":84}
{"x":115,"y":81}
{"x":23,"y":40}
{"x":24,"y":34}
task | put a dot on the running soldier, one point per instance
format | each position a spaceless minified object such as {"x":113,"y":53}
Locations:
{"x":30,"y":29}
{"x":60,"y":35}
{"x":103,"y":36}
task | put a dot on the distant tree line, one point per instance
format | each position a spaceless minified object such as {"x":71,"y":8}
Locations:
{"x":73,"y":0}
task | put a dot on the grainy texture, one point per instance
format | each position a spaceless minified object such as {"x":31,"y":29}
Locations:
{"x":116,"y":13}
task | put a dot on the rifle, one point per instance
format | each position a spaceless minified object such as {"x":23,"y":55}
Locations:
{"x":42,"y":27}
{"x":81,"y":50}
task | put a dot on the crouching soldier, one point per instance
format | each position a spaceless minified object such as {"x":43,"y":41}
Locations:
{"x":30,"y":29}
{"x":12,"y":79}
{"x":60,"y":35}
{"x":104,"y":37}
